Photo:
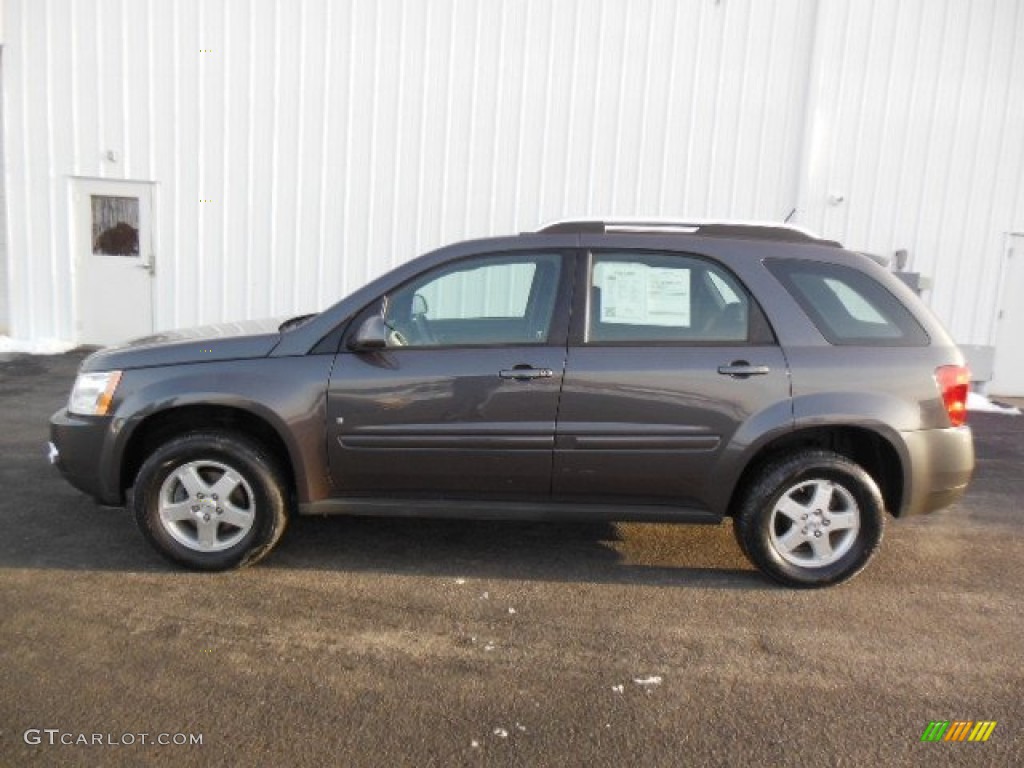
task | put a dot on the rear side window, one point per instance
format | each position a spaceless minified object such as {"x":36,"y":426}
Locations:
{"x":645,"y":297}
{"x":848,"y":306}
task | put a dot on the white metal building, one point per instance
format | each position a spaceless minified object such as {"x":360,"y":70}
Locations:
{"x":279,"y":153}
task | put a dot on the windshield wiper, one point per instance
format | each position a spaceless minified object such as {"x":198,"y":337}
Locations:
{"x":294,"y":322}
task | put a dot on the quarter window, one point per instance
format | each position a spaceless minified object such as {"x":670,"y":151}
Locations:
{"x":848,"y":306}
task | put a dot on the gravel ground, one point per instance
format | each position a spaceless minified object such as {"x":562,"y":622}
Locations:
{"x":421,"y":643}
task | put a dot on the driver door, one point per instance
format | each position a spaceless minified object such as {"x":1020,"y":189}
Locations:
{"x":463,"y":399}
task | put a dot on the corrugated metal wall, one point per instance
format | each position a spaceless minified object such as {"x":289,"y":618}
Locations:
{"x":336,"y":139}
{"x":917,"y":120}
{"x":4,"y":292}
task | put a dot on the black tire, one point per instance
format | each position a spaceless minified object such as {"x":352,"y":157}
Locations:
{"x":256,"y":506}
{"x":825,"y":546}
{"x":739,"y":537}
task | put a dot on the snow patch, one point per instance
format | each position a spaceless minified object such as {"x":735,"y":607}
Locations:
{"x":37,"y":347}
{"x":980,"y":403}
{"x":501,"y":733}
{"x":652,"y":680}
{"x":618,"y":688}
{"x":511,"y":610}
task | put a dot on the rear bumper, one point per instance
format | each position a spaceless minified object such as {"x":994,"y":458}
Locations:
{"x":79,"y":449}
{"x":941,"y":464}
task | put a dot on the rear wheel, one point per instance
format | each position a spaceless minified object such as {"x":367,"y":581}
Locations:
{"x":210,"y":501}
{"x":811,"y":519}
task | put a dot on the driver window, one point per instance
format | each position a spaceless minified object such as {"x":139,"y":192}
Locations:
{"x":507,"y":299}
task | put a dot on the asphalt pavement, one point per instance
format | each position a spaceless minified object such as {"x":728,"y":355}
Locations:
{"x":432,"y":643}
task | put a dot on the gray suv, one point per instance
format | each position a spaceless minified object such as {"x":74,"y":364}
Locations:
{"x":593,"y":370}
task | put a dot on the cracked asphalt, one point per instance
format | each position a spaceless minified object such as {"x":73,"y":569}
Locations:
{"x":432,"y":643}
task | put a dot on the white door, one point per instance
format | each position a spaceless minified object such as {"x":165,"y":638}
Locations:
{"x":1008,"y":374}
{"x":115,"y":261}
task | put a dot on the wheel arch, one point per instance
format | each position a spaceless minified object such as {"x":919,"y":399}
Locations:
{"x":160,"y":426}
{"x":878,"y":453}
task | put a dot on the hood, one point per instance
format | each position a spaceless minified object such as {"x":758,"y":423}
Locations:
{"x":224,"y":341}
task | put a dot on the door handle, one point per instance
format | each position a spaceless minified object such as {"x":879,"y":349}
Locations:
{"x":741,"y":369}
{"x":525,"y":373}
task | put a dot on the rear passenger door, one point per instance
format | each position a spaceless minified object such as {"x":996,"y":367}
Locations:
{"x":668,"y":356}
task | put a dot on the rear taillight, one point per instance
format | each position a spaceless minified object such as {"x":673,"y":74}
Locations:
{"x":954,"y":382}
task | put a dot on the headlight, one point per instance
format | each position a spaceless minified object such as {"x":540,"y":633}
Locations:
{"x":93,"y":393}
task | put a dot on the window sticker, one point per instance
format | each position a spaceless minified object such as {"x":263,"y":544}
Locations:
{"x":636,"y":294}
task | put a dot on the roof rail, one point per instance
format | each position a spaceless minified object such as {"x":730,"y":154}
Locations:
{"x":747,"y":230}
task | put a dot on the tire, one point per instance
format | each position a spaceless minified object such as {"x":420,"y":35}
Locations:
{"x":739,"y":537}
{"x":211,"y":501}
{"x":811,"y":519}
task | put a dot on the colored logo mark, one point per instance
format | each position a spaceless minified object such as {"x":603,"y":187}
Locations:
{"x":958,"y":730}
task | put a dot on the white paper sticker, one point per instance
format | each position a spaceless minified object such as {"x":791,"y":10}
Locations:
{"x":636,"y":294}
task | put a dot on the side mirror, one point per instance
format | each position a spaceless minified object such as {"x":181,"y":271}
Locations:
{"x":372,"y":334}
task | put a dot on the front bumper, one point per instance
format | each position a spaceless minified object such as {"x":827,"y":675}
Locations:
{"x":941,"y":463}
{"x":78,"y":448}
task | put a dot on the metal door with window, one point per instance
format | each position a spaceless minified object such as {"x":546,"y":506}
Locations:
{"x":1008,"y":368}
{"x":463,"y":400}
{"x":114,"y":260}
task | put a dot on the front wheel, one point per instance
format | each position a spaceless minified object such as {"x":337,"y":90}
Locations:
{"x":811,"y":519}
{"x":210,"y":501}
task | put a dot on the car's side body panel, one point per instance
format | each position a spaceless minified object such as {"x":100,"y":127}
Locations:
{"x":288,"y":394}
{"x":647,"y":423}
{"x":900,"y":402}
{"x":443,"y":421}
{"x":543,"y":509}
{"x":761,"y":428}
